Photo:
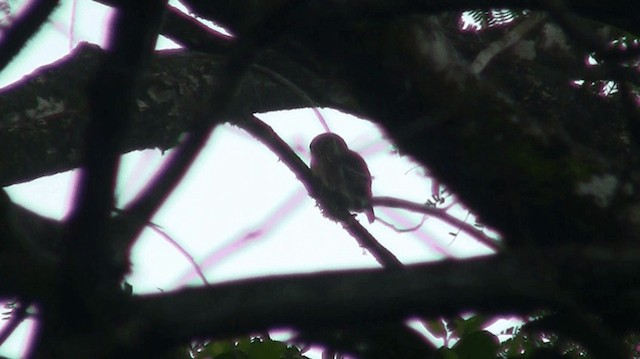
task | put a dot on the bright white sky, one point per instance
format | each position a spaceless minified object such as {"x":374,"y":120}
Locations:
{"x":240,"y":212}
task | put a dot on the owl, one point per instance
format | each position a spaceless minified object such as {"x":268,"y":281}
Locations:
{"x":342,"y":171}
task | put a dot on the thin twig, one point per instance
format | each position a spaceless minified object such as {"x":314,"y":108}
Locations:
{"x":180,"y":249}
{"x":442,"y":215}
{"x":18,"y":314}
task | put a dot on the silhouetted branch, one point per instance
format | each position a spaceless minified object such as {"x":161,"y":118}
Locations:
{"x":474,"y":232}
{"x":192,"y":34}
{"x":231,"y":13}
{"x":266,"y":135}
{"x":18,"y":314}
{"x":181,"y":250}
{"x":517,"y":283}
{"x":111,"y":100}
{"x":24,"y":27}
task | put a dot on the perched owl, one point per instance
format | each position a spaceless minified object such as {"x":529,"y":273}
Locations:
{"x":343,"y":171}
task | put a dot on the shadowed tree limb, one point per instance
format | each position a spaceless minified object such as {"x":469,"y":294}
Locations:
{"x":518,"y":283}
{"x":266,"y":135}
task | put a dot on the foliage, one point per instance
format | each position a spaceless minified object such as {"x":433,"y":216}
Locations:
{"x":491,"y":18}
{"x":247,"y":348}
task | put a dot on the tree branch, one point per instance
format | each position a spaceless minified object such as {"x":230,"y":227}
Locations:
{"x":442,"y":215}
{"x":111,"y":98}
{"x":231,"y":13}
{"x":43,"y":122}
{"x":519,"y":283}
{"x":266,"y":135}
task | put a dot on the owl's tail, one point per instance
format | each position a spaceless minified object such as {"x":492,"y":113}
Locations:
{"x":370,"y":215}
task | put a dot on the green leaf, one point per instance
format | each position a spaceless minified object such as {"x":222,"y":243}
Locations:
{"x":267,"y":349}
{"x":446,"y":353}
{"x":436,"y":327}
{"x":244,"y":343}
{"x":293,"y":352}
{"x":234,"y":354}
{"x":218,"y":347}
{"x":478,"y":345}
{"x":473,"y":324}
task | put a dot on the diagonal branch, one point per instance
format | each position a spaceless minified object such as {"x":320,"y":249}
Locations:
{"x":266,"y":135}
{"x":212,"y":107}
{"x":192,"y":34}
{"x":18,"y":315}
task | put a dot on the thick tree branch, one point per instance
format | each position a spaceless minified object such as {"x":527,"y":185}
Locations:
{"x":90,"y":269}
{"x":111,"y":99}
{"x":518,"y":283}
{"x":43,"y":120}
{"x":232,"y":13}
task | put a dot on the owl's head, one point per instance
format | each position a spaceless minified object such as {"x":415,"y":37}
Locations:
{"x":328,"y":144}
